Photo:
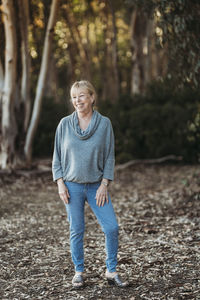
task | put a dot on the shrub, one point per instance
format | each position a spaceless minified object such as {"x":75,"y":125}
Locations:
{"x":159,"y":123}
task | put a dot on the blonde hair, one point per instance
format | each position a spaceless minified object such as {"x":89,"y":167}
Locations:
{"x":86,"y":85}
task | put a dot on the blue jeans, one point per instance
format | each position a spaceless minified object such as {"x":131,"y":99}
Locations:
{"x":79,"y":193}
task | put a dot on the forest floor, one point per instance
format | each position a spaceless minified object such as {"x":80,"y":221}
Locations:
{"x":158,"y":209}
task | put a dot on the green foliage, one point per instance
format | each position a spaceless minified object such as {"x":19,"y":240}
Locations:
{"x":51,"y":114}
{"x":179,"y":26}
{"x":180,"y":23}
{"x":160,"y":123}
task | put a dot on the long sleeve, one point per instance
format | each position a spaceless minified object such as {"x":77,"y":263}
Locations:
{"x":109,"y":164}
{"x":84,"y":160}
{"x":56,"y":163}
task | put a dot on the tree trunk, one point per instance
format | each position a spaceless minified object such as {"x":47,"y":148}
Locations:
{"x":148,"y":65}
{"x":41,"y":80}
{"x":139,"y":45}
{"x":115,"y":54}
{"x":148,"y":62}
{"x":159,"y":58}
{"x":25,"y":58}
{"x":52,"y":82}
{"x":135,"y":77}
{"x":105,"y":60}
{"x":8,"y":126}
{"x":1,"y":82}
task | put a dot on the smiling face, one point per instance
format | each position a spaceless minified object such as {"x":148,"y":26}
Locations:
{"x":82,"y":100}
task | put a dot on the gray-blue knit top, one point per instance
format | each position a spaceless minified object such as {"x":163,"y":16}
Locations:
{"x":84,"y":156}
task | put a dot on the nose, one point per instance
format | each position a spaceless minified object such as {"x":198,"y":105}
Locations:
{"x":78,"y":100}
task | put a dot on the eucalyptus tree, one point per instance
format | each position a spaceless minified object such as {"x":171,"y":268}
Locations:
{"x":16,"y":133}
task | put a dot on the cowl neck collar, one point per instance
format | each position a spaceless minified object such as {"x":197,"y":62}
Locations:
{"x":94,"y":122}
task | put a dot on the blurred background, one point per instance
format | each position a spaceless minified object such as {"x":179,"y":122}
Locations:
{"x":142,"y":56}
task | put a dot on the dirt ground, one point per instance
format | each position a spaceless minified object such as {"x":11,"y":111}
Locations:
{"x":158,"y":209}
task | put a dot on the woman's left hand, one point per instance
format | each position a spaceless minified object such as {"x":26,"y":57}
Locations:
{"x":102,"y":195}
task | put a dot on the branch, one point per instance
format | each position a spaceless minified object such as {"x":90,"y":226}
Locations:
{"x":147,"y":161}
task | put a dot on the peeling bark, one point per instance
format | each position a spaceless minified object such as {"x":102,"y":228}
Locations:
{"x":8,"y":126}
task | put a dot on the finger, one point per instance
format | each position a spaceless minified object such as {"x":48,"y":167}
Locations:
{"x":107,"y":199}
{"x":63,"y":197}
{"x":103,"y":201}
{"x":66,"y":200}
{"x":98,"y":200}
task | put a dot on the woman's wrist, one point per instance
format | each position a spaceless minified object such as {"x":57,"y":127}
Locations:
{"x":59,"y":181}
{"x":105,"y":182}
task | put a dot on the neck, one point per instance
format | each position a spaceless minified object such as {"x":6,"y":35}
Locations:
{"x":85,"y":115}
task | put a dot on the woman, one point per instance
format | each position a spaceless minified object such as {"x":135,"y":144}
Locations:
{"x":83,"y":166}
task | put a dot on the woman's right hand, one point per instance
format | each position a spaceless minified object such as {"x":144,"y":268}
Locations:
{"x":63,"y":191}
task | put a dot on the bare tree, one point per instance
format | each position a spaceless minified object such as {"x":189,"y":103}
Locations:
{"x":41,"y":80}
{"x":25,"y":59}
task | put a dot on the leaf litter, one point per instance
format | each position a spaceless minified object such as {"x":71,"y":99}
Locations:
{"x":158,"y":211}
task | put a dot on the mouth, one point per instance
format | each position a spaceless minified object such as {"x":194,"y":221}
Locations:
{"x":79,"y":105}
